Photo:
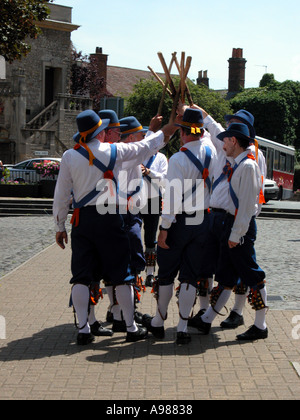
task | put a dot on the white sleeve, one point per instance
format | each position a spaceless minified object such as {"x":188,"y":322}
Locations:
{"x":249,"y":187}
{"x":132,"y":154}
{"x":62,"y":194}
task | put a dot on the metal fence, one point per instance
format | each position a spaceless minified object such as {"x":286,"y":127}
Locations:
{"x":24,"y":176}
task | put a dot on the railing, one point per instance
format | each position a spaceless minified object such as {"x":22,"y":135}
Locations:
{"x":74,"y":103}
{"x":41,"y":131}
{"x":43,"y":117}
{"x":5,"y":88}
{"x":29,"y":176}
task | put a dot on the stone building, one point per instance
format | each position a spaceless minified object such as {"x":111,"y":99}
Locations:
{"x":37,"y":114}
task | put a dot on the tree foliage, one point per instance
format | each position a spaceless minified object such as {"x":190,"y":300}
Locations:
{"x":85,"y":78}
{"x":18,"y":20}
{"x":276,"y":109}
{"x":144,"y":102}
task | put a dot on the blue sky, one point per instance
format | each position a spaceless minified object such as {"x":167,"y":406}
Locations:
{"x":131,"y":32}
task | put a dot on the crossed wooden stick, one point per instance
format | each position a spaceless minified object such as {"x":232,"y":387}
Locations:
{"x":168,"y":86}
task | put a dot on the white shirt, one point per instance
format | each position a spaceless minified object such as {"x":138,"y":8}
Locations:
{"x":131,"y":183}
{"x":246,"y":183}
{"x":181,"y":169}
{"x":220,"y":196}
{"x":158,"y":171}
{"x":261,"y":161}
{"x":77,"y":175}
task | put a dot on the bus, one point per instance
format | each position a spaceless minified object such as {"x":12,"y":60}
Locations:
{"x":280,"y":161}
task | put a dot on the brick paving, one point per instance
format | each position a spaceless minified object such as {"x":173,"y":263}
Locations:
{"x":39,"y":359}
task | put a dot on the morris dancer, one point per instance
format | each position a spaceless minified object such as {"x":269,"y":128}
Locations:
{"x":237,"y":258}
{"x":98,"y":240}
{"x":183,"y":234}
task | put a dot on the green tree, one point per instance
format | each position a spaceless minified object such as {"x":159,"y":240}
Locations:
{"x":143,"y":103}
{"x":18,"y":20}
{"x":276,"y":109}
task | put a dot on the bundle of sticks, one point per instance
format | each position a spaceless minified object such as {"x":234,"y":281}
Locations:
{"x":169,"y":88}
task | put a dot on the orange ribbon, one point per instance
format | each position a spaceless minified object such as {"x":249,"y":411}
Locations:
{"x":262,"y":199}
{"x":82,"y":141}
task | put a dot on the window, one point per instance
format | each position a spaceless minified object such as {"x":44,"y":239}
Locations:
{"x":282,"y":161}
{"x":264,"y":151}
{"x":290,"y":163}
{"x":277,"y":160}
{"x":270,"y":163}
{"x":21,"y":165}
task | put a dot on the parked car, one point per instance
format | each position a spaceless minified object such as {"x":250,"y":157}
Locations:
{"x":25,"y":171}
{"x":271,"y":190}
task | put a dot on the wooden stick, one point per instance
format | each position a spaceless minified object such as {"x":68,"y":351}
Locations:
{"x":182,"y":78}
{"x":160,"y":81}
{"x":168,"y":76}
{"x":187,"y":68}
{"x":166,"y":86}
{"x":188,"y":93}
{"x":175,"y":105}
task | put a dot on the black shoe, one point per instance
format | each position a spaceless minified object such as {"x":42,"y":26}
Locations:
{"x":233,"y":321}
{"x":203,"y":327}
{"x":140,"y":334}
{"x":149,"y":280}
{"x":253,"y":333}
{"x":119,"y":326}
{"x":99,"y":331}
{"x":158,"y":332}
{"x":109,"y":317}
{"x":138,"y":317}
{"x":84,"y":339}
{"x":183,"y":338}
{"x":193,"y":321}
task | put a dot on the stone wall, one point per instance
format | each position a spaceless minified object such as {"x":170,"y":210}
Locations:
{"x":52,"y":49}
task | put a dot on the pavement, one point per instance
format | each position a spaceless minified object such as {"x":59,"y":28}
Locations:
{"x":39,"y":358}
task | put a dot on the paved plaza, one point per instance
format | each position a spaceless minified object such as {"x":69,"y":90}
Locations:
{"x":39,"y":358}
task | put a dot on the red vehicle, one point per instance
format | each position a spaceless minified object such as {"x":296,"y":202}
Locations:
{"x":280,"y":161}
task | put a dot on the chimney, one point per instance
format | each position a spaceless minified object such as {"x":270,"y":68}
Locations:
{"x":100,"y":60}
{"x":237,"y":70}
{"x":202,"y":78}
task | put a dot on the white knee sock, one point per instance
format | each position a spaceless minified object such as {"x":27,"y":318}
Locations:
{"x":165,"y":295}
{"x":80,"y":299}
{"x":260,"y":316}
{"x":110,"y":294}
{"x":92,"y":316}
{"x":186,"y":301}
{"x":239,"y":303}
{"x":211,"y":313}
{"x":125,"y":298}
{"x":150,"y":271}
{"x":114,"y":308}
{"x":204,"y":300}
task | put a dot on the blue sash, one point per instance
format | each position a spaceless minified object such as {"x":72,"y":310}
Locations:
{"x":199,"y":165}
{"x":231,"y":190}
{"x":227,"y":172}
{"x":85,"y":200}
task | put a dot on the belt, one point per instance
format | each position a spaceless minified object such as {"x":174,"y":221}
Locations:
{"x":217,"y":210}
{"x":206,"y":211}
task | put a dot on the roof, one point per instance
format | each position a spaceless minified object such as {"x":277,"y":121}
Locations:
{"x":121,"y":80}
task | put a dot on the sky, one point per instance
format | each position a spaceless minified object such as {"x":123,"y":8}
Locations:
{"x":132,"y":32}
